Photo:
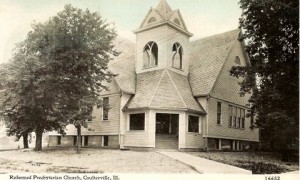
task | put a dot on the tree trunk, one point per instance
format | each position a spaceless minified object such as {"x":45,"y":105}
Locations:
{"x":25,"y":140}
{"x":38,"y":140}
{"x":78,"y":138}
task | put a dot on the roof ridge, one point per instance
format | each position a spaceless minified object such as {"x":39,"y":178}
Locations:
{"x":162,"y":75}
{"x":177,"y":89}
{"x":213,"y":36}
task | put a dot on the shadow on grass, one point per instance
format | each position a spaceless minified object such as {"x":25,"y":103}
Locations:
{"x":261,"y":168}
{"x":66,"y":169}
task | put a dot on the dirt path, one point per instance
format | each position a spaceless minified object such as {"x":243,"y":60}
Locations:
{"x":90,"y":160}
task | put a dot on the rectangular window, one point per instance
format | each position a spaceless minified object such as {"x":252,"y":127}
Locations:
{"x":105,"y":140}
{"x":217,"y":144}
{"x":137,"y":121}
{"x":238,"y":117}
{"x":230,"y":115}
{"x":193,"y":125}
{"x":234,"y":116}
{"x":86,"y":140}
{"x":219,"y":113}
{"x":243,"y":118}
{"x":74,"y":140}
{"x":251,"y":120}
{"x":58,"y":140}
{"x":105,"y":108}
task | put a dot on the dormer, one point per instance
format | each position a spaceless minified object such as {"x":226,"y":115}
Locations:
{"x":162,"y":41}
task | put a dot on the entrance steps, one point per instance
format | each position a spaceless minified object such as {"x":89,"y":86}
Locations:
{"x":166,"y":141}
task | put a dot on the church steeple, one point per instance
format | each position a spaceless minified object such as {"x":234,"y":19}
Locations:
{"x":161,"y":15}
{"x":162,"y":41}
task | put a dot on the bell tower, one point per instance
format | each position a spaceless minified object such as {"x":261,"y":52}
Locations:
{"x":162,"y":41}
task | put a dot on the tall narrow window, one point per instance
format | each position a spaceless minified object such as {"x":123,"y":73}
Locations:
{"x":86,"y":141}
{"x":230,"y":115}
{"x":234,"y":116}
{"x":105,"y":140}
{"x":238,"y":117}
{"x":219,"y":113}
{"x":177,"y":55}
{"x":150,"y":55}
{"x":251,"y":120}
{"x":193,"y":124}
{"x":59,"y":140}
{"x":105,"y":108}
{"x":74,"y":140}
{"x":243,"y":118}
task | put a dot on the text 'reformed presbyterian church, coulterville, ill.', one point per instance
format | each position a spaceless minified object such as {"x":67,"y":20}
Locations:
{"x":172,"y":93}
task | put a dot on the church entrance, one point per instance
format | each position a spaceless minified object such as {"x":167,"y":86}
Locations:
{"x":166,"y":135}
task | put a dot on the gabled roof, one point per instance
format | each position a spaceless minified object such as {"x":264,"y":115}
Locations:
{"x":163,"y":15}
{"x":124,"y":68}
{"x":207,"y":57}
{"x":163,"y":89}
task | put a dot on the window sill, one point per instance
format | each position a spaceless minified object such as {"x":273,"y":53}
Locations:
{"x":144,"y":68}
{"x":136,"y":130}
{"x":219,"y":124}
{"x":180,"y":69}
{"x":106,"y":120}
{"x":197,"y":133}
{"x":236,"y":128}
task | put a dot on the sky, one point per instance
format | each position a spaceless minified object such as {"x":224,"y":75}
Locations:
{"x":202,"y":17}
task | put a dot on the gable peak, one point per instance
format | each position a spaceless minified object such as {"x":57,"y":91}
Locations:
{"x":164,"y":9}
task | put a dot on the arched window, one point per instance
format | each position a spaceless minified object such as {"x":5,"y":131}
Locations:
{"x":237,"y":60}
{"x":176,"y":21}
{"x":177,"y":55}
{"x":150,"y":54}
{"x":151,"y":20}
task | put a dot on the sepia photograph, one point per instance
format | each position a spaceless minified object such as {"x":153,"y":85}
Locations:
{"x":148,"y":89}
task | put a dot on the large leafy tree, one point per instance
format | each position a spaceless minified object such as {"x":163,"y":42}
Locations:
{"x":272,"y":36}
{"x":66,"y":59}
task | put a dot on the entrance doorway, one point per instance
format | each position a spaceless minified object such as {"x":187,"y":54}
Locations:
{"x":166,"y":134}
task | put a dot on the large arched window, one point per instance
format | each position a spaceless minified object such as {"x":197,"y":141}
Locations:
{"x":150,"y":54}
{"x":177,"y":55}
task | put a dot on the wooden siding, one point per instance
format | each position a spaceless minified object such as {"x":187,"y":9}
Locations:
{"x":110,"y":126}
{"x":223,"y":130}
{"x":138,"y":138}
{"x":194,"y":140}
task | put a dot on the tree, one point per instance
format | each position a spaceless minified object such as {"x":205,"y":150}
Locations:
{"x":65,"y":63}
{"x":272,"y":36}
{"x":23,"y":108}
{"x":8,"y":115}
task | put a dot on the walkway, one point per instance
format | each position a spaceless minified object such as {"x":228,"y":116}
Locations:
{"x":204,"y":166}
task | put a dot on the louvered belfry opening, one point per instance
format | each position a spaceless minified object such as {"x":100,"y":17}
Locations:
{"x":166,"y":134}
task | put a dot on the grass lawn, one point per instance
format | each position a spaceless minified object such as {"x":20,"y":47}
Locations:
{"x":257,"y":162}
{"x":65,"y":160}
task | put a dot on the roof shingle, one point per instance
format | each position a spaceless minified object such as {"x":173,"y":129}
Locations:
{"x":207,"y":57}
